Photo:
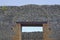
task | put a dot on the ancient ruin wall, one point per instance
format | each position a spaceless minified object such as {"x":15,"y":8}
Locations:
{"x":9,"y":15}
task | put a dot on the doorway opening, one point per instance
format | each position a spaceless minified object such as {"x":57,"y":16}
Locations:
{"x":31,"y":30}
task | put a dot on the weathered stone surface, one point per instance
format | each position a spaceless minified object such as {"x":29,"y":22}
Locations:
{"x":9,"y":15}
{"x":32,"y":36}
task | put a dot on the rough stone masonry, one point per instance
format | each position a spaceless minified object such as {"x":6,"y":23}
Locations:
{"x":9,"y":15}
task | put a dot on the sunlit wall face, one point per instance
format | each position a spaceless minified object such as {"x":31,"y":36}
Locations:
{"x":32,"y":29}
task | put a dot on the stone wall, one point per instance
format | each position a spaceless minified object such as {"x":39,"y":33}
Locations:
{"x":9,"y":15}
{"x":32,"y":36}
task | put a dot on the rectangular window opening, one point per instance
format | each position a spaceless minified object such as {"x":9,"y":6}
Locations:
{"x":32,"y":33}
{"x":32,"y":29}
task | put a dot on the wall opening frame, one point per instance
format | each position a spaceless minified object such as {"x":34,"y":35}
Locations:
{"x":18,"y":29}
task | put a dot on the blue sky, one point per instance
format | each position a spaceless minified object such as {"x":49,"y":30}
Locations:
{"x":32,"y":29}
{"x":25,"y":2}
